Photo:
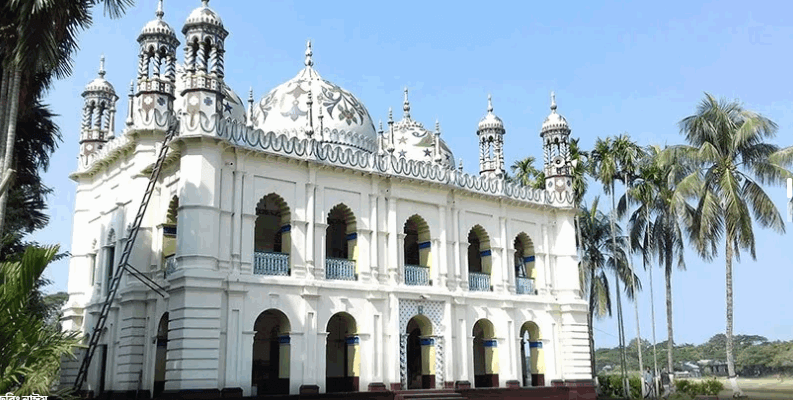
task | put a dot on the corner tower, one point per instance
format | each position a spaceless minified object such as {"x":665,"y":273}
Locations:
{"x":99,"y":112}
{"x":491,"y":143}
{"x":156,"y":74}
{"x":555,"y":134}
{"x":204,"y":67}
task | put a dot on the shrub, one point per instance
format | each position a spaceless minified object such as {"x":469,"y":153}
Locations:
{"x":611,"y":386}
{"x":709,"y":387}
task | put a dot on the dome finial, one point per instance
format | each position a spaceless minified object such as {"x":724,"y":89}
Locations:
{"x":553,"y":101}
{"x":205,"y":3}
{"x":309,"y":61}
{"x":160,"y":13}
{"x":102,"y":66}
{"x":489,"y":103}
{"x":437,"y":127}
{"x":406,"y":104}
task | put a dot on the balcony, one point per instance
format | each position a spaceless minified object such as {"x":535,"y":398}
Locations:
{"x":340,"y":269}
{"x":417,"y":275}
{"x":524,"y":285}
{"x":170,"y":266}
{"x":270,"y":263}
{"x":478,"y":282}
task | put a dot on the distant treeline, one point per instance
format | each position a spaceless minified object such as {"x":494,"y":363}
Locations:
{"x":754,"y":355}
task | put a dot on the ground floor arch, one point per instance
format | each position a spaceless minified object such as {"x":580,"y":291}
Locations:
{"x":420,"y":353}
{"x":160,"y":355}
{"x":485,"y":354}
{"x":531,"y":355}
{"x":271,"y":353}
{"x":342,"y":354}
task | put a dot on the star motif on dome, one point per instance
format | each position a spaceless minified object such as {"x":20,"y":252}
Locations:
{"x":227,"y":107}
{"x":208,"y":101}
{"x":428,"y":153}
{"x":402,"y":153}
{"x":403,"y":140}
{"x":448,"y":157}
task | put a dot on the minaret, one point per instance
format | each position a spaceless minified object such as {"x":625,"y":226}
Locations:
{"x":491,"y":143}
{"x":156,"y":74}
{"x":99,"y":108}
{"x":204,"y":67}
{"x":555,"y":134}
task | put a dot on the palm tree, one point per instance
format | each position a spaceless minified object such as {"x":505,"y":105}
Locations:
{"x":616,"y":160}
{"x":595,"y":233}
{"x":30,"y":348}
{"x":36,"y":37}
{"x":526,"y":174}
{"x":727,"y":146}
{"x":657,"y":225}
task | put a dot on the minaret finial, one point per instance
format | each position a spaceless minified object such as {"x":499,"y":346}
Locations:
{"x":406,"y":104}
{"x":159,"y":12}
{"x":309,"y":61}
{"x":437,"y":127}
{"x":390,"y":116}
{"x":205,"y":3}
{"x":250,"y":93}
{"x":380,"y":131}
{"x":489,"y":103}
{"x":102,"y":66}
{"x":553,"y":101}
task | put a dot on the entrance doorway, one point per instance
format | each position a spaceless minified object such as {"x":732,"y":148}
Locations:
{"x":420,"y":352}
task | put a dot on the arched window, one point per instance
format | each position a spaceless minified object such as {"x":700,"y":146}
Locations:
{"x":341,"y":247}
{"x":160,"y":356}
{"x":479,"y":260}
{"x":417,"y":251}
{"x":525,"y":273}
{"x":169,"y":236}
{"x":110,"y":258}
{"x":271,"y":238}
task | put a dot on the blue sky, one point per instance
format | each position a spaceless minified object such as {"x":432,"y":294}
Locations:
{"x":637,"y":68}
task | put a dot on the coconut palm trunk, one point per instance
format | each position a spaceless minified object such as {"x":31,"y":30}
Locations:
{"x":620,"y":327}
{"x":629,"y":254}
{"x":13,"y":97}
{"x":669,"y":330}
{"x":652,"y":318}
{"x":730,"y":361}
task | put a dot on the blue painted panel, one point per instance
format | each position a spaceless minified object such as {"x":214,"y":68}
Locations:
{"x":484,"y":253}
{"x":353,"y":340}
{"x":424,"y":245}
{"x":283,"y":339}
{"x":528,"y":259}
{"x":427,"y":342}
{"x":285,"y":228}
{"x":352,"y":236}
{"x":491,"y":343}
{"x":535,"y":344}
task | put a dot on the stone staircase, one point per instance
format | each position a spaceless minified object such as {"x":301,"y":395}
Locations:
{"x":428,"y":394}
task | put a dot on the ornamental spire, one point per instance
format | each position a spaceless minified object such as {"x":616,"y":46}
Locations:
{"x":553,"y":102}
{"x":406,"y":104}
{"x":160,"y":13}
{"x":489,"y":103}
{"x":102,"y":66}
{"x":205,"y":3}
{"x":309,"y":61}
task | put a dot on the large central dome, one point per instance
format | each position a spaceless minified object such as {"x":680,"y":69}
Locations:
{"x":285,"y":110}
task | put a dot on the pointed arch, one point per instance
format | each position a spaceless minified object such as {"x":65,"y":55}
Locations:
{"x":160,"y":355}
{"x":532,"y":354}
{"x":479,"y":259}
{"x":342,"y":354}
{"x":525,"y":272}
{"x":420,"y":352}
{"x":485,"y":354}
{"x":341,"y":244}
{"x":417,"y":249}
{"x":272,"y":236}
{"x":271,"y":353}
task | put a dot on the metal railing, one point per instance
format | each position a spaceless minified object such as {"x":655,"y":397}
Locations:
{"x":170,"y":266}
{"x":524,"y":285}
{"x":270,"y":263}
{"x":417,"y":275}
{"x":478,"y":282}
{"x":341,"y":269}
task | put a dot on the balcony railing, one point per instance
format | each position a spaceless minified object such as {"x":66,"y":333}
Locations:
{"x":270,"y":263}
{"x":341,"y":269}
{"x":170,"y":266}
{"x":416,"y":275}
{"x":524,"y":285}
{"x":478,"y":282}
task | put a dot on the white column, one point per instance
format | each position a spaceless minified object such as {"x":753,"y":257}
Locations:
{"x":296,"y":361}
{"x":441,"y":250}
{"x":246,"y":361}
{"x":321,"y":347}
{"x":400,"y":257}
{"x":506,"y":243}
{"x":373,"y":242}
{"x":310,"y":214}
{"x":458,"y":267}
{"x":393,"y":252}
{"x":236,"y":220}
{"x":382,"y":227}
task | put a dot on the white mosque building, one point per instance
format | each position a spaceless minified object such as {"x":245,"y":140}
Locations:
{"x":304,"y":249}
